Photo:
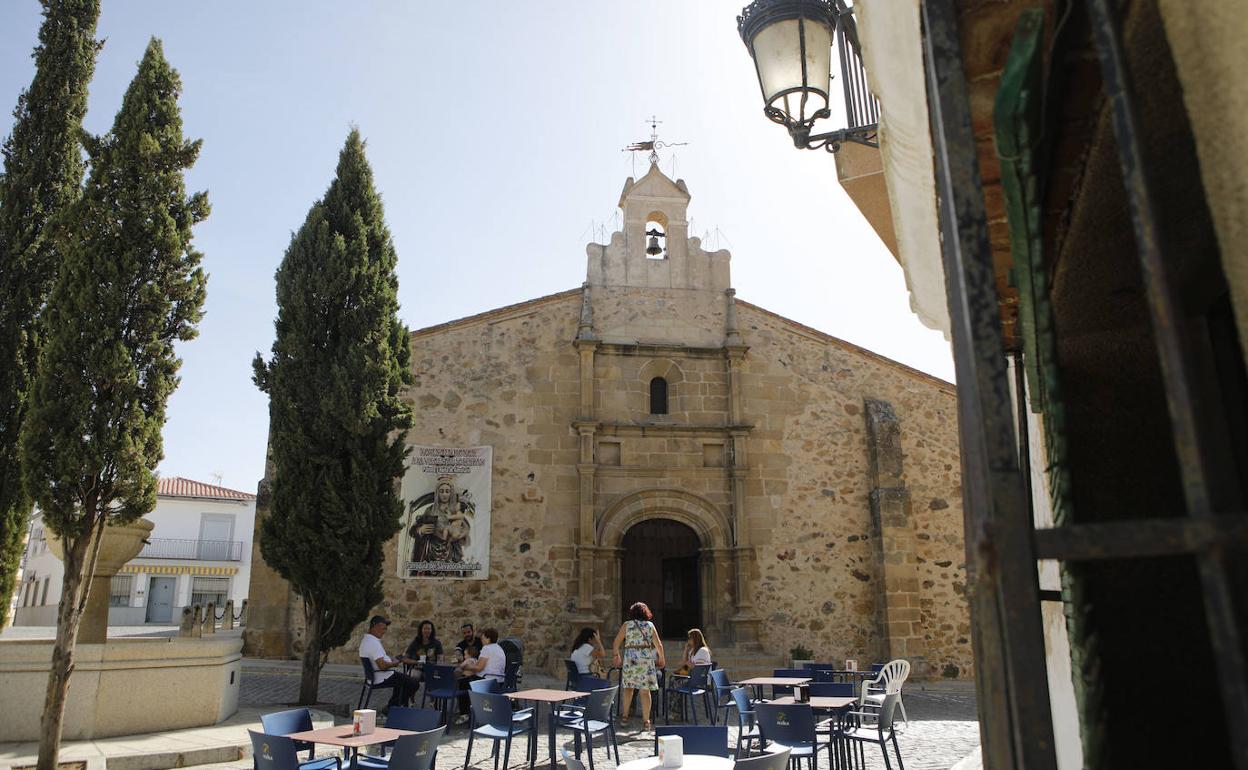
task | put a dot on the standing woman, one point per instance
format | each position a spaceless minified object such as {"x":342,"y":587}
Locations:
{"x":642,"y":658}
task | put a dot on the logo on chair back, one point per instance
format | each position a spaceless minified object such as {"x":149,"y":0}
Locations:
{"x":424,"y":748}
{"x":486,"y":706}
{"x":264,"y":752}
{"x":782,"y":719}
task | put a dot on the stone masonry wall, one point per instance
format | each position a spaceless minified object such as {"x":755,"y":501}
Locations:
{"x":816,"y":564}
{"x":510,"y":379}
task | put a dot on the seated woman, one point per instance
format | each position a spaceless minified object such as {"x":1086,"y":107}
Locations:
{"x":425,"y":647}
{"x":587,"y":651}
{"x":490,"y":663}
{"x":696,"y":652}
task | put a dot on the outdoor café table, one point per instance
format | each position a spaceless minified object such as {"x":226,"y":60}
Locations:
{"x":759,"y":682}
{"x":341,"y":735}
{"x":539,"y":696}
{"x":692,"y":762}
{"x":825,"y":703}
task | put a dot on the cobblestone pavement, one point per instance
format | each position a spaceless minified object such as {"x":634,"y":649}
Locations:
{"x":942,"y":728}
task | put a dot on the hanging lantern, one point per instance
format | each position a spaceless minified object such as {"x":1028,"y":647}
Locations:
{"x":791,"y":43}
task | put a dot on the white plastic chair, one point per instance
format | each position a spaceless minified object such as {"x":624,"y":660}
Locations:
{"x":887,"y":682}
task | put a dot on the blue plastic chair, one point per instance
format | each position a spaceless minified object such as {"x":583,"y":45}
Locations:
{"x":747,"y":721}
{"x":722,"y":692}
{"x":485,"y":685}
{"x":366,"y":692}
{"x":769,"y":761}
{"x":287,"y":722}
{"x":593,"y":719}
{"x":498,"y":721}
{"x":585,"y":683}
{"x":574,"y":673}
{"x":277,"y":752}
{"x":696,"y":685}
{"x":411,"y":752}
{"x":416,"y":720}
{"x":441,"y":687}
{"x":792,"y":726}
{"x":711,"y":740}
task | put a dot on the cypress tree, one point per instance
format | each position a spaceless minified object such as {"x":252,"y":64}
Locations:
{"x":43,"y":171}
{"x":337,"y":421}
{"x":130,"y":285}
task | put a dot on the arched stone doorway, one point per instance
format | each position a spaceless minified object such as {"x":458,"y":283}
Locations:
{"x":716,"y":559}
{"x":659,"y":565}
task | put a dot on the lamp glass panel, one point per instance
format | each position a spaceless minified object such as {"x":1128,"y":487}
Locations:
{"x":777,"y":54}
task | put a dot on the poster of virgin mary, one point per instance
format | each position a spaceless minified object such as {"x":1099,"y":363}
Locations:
{"x":446,"y":523}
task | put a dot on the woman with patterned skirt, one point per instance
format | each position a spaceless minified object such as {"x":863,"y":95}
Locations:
{"x":641,"y":660}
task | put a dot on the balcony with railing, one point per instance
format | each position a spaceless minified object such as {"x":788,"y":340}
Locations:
{"x":198,"y":550}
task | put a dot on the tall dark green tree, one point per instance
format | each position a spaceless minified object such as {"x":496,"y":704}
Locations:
{"x":130,"y":286}
{"x":337,"y":421}
{"x":43,"y":171}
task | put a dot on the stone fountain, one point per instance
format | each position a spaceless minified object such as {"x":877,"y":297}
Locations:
{"x":122,"y":686}
{"x":122,"y":542}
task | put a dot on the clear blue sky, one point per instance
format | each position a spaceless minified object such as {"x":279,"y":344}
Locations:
{"x":494,"y":130}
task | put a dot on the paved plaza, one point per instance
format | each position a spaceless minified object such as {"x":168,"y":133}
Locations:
{"x":942,"y":730}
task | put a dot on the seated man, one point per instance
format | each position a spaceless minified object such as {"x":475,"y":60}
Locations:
{"x":469,"y":637}
{"x":384,"y":666}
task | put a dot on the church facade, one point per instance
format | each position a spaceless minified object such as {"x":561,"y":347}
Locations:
{"x":648,"y":436}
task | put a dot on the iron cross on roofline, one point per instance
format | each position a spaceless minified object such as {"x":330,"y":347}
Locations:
{"x":654,"y":145}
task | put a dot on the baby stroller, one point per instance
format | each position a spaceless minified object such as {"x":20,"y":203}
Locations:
{"x":513,"y":648}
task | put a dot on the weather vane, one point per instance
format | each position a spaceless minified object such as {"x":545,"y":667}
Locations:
{"x":654,"y":145}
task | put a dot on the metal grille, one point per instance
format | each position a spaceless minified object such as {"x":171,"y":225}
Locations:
{"x":1010,"y":656}
{"x":862,"y":109}
{"x":119,"y":590}
{"x":202,"y":550}
{"x":210,"y":589}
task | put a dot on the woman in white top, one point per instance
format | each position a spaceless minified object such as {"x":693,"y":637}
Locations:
{"x":491,"y":662}
{"x":586,"y":648}
{"x":696,"y":651}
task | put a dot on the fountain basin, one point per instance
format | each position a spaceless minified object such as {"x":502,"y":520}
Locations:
{"x":125,"y":687}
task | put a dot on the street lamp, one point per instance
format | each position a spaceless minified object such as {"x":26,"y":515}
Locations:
{"x":791,"y":43}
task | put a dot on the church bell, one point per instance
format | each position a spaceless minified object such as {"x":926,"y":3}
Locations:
{"x":653,"y":248}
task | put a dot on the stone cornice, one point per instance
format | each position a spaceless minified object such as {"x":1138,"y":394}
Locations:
{"x":672,"y":429}
{"x":643,"y":348}
{"x":651,"y":471}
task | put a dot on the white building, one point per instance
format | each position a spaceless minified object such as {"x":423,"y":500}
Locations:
{"x":199,"y":552}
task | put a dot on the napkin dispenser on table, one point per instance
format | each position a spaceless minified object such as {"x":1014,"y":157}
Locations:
{"x":803,"y":693}
{"x":363,"y":721}
{"x":671,"y":751}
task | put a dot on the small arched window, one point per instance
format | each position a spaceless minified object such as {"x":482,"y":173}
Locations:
{"x":658,"y":396}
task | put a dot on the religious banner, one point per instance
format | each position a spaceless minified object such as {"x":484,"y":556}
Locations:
{"x":446,"y":513}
